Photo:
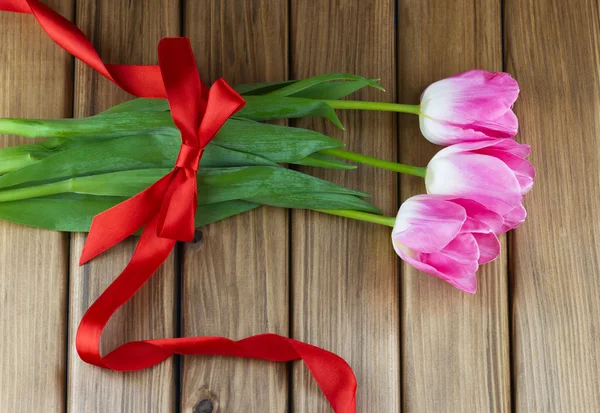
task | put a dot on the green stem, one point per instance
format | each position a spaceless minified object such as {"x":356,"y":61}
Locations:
{"x":382,"y":106}
{"x":14,"y":163}
{"x":361,"y":216}
{"x":37,"y":191}
{"x":376,"y":162}
{"x":109,"y":125}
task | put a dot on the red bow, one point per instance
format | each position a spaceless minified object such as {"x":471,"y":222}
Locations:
{"x":166,"y":211}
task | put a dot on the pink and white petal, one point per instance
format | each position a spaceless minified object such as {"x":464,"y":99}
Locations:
{"x":470,"y":96}
{"x":459,"y":275}
{"x":479,"y":218}
{"x":523,"y":169}
{"x":442,"y":132}
{"x":514,"y":218}
{"x":485,"y":95}
{"x":505,"y":126}
{"x":427,"y":224}
{"x":510,"y":145}
{"x":482,"y":178}
{"x":457,"y":263}
{"x":467,"y":147}
{"x":489,"y":247}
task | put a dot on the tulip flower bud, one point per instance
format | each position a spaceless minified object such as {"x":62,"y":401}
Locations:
{"x":493,"y":173}
{"x":447,"y":237}
{"x":471,"y":106}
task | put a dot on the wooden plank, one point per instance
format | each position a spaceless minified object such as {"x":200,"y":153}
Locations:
{"x":123,"y":32}
{"x":345,"y":273}
{"x":455,"y":346}
{"x":552,"y":48}
{"x":235,"y":283}
{"x":33,"y":263}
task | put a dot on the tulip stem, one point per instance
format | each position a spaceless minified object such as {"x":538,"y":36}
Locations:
{"x":382,"y":106}
{"x":361,"y":216}
{"x":376,"y":162}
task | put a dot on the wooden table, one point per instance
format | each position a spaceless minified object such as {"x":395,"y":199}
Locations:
{"x":527,"y":342}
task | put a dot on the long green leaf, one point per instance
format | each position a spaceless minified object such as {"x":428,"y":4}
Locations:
{"x":317,"y":201}
{"x":131,"y":152}
{"x":277,"y":143}
{"x":324,"y":161}
{"x":140,"y":105}
{"x":74,"y":212}
{"x":262,"y":108}
{"x":214,"y":185}
{"x":317,"y":82}
{"x":103,"y":125}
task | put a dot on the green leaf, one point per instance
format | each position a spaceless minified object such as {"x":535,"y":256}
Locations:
{"x":277,"y":143}
{"x":327,"y":87}
{"x":67,"y":212}
{"x":109,"y":125}
{"x":140,"y":105}
{"x":261,"y":108}
{"x":261,"y":88}
{"x":317,"y":201}
{"x":313,"y":86}
{"x":157,"y":150}
{"x":210,"y":213}
{"x":74,"y":212}
{"x":324,"y":161}
{"x":214,"y":185}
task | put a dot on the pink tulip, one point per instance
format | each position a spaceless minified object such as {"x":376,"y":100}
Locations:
{"x":471,"y":106}
{"x":447,"y":237}
{"x":493,"y":173}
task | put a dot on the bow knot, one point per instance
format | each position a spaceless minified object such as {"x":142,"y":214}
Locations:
{"x":189,"y":157}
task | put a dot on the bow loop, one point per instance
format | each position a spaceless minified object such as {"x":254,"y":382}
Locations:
{"x":222,"y":103}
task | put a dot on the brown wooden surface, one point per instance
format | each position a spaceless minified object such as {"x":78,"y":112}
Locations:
{"x":123,"y":32}
{"x":247,"y":255}
{"x":525,"y":343}
{"x":555,"y":256}
{"x":344,"y":273}
{"x":463,"y":337}
{"x":33,"y":263}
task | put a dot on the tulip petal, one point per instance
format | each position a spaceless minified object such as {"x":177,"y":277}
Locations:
{"x":427,"y":224}
{"x":443,"y":132}
{"x":455,"y":264}
{"x":479,"y":218}
{"x":489,"y":247}
{"x":523,"y":169}
{"x":470,"y":97}
{"x":484,"y":95}
{"x":482,"y":178}
{"x":514,"y":218}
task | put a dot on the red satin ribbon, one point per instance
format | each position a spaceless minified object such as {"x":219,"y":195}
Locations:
{"x":166,"y":211}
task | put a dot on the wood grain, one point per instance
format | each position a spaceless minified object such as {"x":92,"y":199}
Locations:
{"x":345,"y":273}
{"x":553,"y":49}
{"x":235,"y":282}
{"x":33,"y":263}
{"x":455,"y":346}
{"x":123,"y":32}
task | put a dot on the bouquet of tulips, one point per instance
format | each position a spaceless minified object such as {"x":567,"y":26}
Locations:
{"x":475,"y":186}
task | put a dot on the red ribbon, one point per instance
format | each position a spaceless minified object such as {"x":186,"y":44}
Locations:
{"x":166,"y":211}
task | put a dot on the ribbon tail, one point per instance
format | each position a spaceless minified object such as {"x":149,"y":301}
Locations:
{"x":149,"y":255}
{"x":142,"y":81}
{"x":17,"y":6}
{"x":117,"y":223}
{"x":333,"y":375}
